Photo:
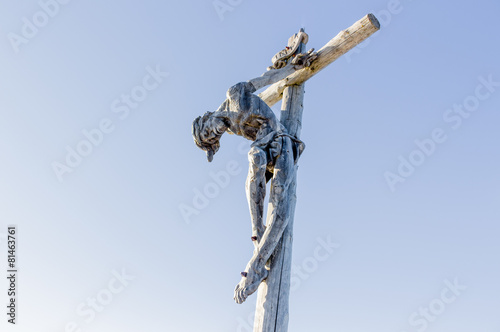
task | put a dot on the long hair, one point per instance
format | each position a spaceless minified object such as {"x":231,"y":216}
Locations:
{"x":198,"y":126}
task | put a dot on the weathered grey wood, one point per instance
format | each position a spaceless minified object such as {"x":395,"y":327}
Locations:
{"x":272,"y":312}
{"x":291,"y":117}
{"x":273,"y":150}
{"x":281,"y":58}
{"x":339,"y":45}
{"x":300,"y":61}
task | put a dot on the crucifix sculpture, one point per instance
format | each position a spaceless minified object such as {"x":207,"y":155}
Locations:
{"x":273,"y":156}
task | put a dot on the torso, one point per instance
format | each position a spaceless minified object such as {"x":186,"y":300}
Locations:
{"x":248,"y":115}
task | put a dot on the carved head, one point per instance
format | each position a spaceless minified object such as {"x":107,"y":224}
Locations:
{"x":207,"y":131}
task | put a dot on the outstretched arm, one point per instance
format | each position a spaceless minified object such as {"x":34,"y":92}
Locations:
{"x":272,"y":76}
{"x":275,"y":75}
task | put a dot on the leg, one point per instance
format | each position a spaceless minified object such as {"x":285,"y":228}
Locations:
{"x":256,"y":191}
{"x":278,"y":220}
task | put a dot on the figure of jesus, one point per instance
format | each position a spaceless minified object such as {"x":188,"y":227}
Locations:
{"x":272,"y":156}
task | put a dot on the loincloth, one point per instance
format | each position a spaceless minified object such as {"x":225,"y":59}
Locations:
{"x":272,"y":144}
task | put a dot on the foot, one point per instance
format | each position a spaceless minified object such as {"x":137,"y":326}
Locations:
{"x":249,"y":283}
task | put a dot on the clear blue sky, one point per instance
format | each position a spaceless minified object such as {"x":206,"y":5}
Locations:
{"x":400,"y":174}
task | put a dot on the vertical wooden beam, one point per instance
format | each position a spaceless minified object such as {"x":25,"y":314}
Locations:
{"x":272,"y":312}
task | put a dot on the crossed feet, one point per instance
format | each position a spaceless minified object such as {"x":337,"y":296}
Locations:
{"x":250,"y":281}
{"x":254,"y":274}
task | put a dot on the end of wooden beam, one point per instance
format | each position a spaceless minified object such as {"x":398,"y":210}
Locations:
{"x":373,"y":20}
{"x":338,"y":46}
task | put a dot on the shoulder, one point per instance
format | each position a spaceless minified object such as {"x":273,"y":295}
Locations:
{"x":239,"y":89}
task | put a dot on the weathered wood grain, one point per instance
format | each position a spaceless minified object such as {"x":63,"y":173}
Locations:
{"x":339,"y":45}
{"x":272,"y":311}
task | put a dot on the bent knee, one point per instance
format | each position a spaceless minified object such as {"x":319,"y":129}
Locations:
{"x":257,"y":157}
{"x":279,"y":189}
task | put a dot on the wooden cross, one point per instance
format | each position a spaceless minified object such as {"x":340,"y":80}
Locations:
{"x":273,"y":295}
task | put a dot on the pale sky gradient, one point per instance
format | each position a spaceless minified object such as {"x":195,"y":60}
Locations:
{"x":118,"y":212}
